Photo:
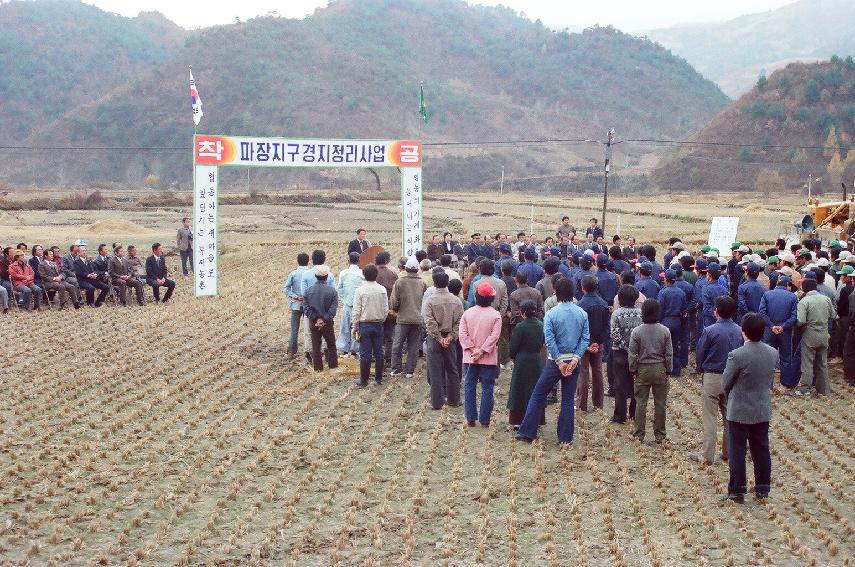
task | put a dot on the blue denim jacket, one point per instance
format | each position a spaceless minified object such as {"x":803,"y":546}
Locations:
{"x":293,"y":288}
{"x":565,"y":328}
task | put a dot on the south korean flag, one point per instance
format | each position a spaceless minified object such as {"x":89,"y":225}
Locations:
{"x":195,"y":100}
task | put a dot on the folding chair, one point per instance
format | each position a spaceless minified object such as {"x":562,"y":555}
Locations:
{"x":14,"y":298}
{"x":46,"y":297}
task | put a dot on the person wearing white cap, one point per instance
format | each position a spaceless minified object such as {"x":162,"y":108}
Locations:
{"x":320,"y":301}
{"x":406,"y":303}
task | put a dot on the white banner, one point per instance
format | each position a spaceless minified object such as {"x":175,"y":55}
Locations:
{"x":411,"y":209}
{"x":205,"y":207}
{"x":723,"y":234}
{"x":298,"y":152}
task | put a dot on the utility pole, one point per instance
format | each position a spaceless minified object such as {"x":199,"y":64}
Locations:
{"x":502,"y":182}
{"x":611,"y":137}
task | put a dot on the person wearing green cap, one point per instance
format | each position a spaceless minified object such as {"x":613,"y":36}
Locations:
{"x":772,"y":271}
{"x":706,"y":248}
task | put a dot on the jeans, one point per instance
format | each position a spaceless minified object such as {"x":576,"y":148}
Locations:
{"x":6,"y":286}
{"x":371,"y":346}
{"x":623,"y":386}
{"x":443,"y":373}
{"x":486,"y":374}
{"x":296,"y":316}
{"x":412,"y":334}
{"x":675,"y":326}
{"x":25,"y":292}
{"x":328,"y":335}
{"x":155,"y":289}
{"x":346,"y":342}
{"x":651,"y":377}
{"x":186,"y":257}
{"x":549,"y":377}
{"x":714,"y":403}
{"x":784,"y":345}
{"x":756,"y":435}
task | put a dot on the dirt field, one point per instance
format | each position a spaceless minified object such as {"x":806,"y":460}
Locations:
{"x":180,"y":434}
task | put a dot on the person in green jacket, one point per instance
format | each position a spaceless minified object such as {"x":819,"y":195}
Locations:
{"x":814,"y":312}
{"x":526,"y":344}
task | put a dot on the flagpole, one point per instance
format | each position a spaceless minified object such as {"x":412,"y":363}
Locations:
{"x":421,"y":118}
{"x":193,"y":175}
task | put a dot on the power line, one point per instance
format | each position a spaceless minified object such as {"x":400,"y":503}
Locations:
{"x":529,"y":141}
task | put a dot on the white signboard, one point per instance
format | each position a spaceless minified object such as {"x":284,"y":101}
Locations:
{"x":723,"y":233}
{"x":411,"y":205}
{"x":205,"y":207}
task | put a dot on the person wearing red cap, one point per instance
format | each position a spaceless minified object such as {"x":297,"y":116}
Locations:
{"x":480,"y":328}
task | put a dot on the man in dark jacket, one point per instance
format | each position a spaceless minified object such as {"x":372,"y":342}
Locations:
{"x":156,"y":274}
{"x":598,"y":322}
{"x":87,"y":279}
{"x":320,"y":302}
{"x":359,"y":244}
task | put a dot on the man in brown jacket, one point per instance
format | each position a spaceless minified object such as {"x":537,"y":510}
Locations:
{"x":387,"y":279}
{"x":406,"y":303}
{"x":123,"y":278}
{"x":441,"y":313}
{"x":54,"y":280}
{"x":524,"y":293}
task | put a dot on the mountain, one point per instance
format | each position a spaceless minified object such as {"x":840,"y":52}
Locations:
{"x":352,"y":70}
{"x":734,"y":53}
{"x":779,"y":123}
{"x":58,"y":54}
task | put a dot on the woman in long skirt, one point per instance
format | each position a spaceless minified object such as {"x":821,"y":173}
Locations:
{"x":526,"y":345}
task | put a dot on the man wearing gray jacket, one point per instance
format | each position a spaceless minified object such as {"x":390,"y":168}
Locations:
{"x":406,"y":303}
{"x":747,"y":382}
{"x":184,"y":240}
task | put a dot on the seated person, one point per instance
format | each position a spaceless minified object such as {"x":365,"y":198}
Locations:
{"x":87,"y":279}
{"x":156,"y":274}
{"x":24,"y":281}
{"x":101,"y":264}
{"x":53,"y":280}
{"x":123,"y":278}
{"x":135,"y":265}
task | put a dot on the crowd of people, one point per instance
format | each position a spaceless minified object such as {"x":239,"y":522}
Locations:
{"x":560,"y":310}
{"x":33,"y":277}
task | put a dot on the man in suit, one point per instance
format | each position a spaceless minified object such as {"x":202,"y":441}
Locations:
{"x":184,"y":240}
{"x":123,"y":278}
{"x":747,"y":383}
{"x":102,"y":262}
{"x":156,"y":274}
{"x":360,"y":244}
{"x":54,"y":280}
{"x":87,"y":279}
{"x":451,"y":247}
{"x":67,"y":265}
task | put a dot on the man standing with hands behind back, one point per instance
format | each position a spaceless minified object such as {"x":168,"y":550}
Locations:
{"x":185,"y":245}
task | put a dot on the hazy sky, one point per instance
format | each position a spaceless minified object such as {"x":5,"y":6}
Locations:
{"x":627,"y":15}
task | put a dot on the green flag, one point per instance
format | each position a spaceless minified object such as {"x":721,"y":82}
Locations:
{"x":422,"y":103}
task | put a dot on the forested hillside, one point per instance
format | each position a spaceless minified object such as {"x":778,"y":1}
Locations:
{"x":802,"y":105}
{"x":352,"y":70}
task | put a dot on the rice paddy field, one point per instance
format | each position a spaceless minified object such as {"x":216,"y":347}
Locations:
{"x":182,"y":434}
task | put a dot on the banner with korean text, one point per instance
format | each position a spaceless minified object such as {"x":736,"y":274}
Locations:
{"x":205,"y":206}
{"x":211,"y":152}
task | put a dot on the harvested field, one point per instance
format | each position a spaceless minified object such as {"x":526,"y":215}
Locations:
{"x":180,"y":434}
